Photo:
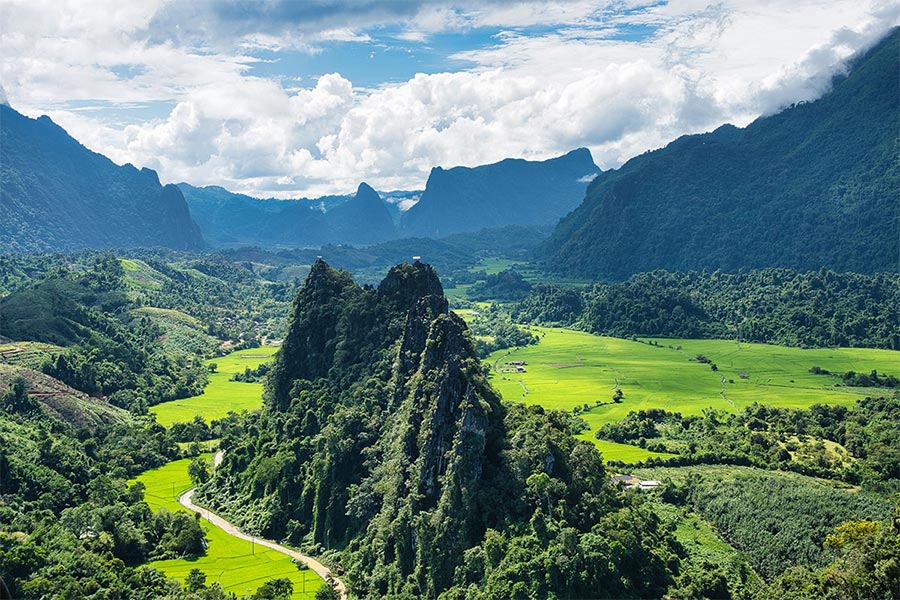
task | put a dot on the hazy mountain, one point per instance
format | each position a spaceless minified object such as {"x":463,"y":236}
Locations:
{"x":510,"y":192}
{"x":229,"y":219}
{"x":816,"y":185}
{"x":363,"y":219}
{"x":57,"y":195}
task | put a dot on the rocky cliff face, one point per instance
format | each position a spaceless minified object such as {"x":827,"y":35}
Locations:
{"x":384,"y":441}
{"x":388,"y":380}
{"x":446,"y":437}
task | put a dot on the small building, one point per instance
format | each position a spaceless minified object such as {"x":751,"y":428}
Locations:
{"x":520,"y":370}
{"x":517,"y":363}
{"x":649,"y":484}
{"x":626,"y":480}
{"x":743,"y":376}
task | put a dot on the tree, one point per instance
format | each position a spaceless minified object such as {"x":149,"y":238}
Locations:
{"x":195,"y":581}
{"x":17,"y":398}
{"x":198,"y":471}
{"x":543,"y":487}
{"x":326,"y":592}
{"x":275,"y":589}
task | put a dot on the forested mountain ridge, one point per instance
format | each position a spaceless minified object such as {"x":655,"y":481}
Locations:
{"x":510,"y":192}
{"x":56,"y":195}
{"x":815,"y":185}
{"x":382,"y":440}
{"x":229,"y":219}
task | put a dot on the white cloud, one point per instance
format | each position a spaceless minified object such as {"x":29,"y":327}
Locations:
{"x":529,"y":95}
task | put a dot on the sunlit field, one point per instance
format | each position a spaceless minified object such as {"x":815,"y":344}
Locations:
{"x":241,"y":567}
{"x":571,"y":368}
{"x":221,"y":395}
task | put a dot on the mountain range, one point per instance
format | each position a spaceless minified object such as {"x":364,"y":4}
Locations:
{"x":510,"y":192}
{"x":229,"y":219}
{"x":457,"y":200}
{"x":816,"y":185}
{"x":56,"y":195}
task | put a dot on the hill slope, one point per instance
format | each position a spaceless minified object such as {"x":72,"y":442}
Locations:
{"x":56,"y":195}
{"x":62,"y":402}
{"x":815,"y":185}
{"x":510,"y":192}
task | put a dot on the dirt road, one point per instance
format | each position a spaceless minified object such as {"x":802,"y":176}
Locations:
{"x":320,"y":569}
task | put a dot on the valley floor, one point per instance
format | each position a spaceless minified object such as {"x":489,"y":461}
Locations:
{"x":239,"y":562}
{"x":569,"y":369}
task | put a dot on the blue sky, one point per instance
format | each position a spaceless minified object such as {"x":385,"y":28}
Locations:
{"x":300,"y":98}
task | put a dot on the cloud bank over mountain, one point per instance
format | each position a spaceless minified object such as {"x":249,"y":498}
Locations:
{"x":288,"y":98}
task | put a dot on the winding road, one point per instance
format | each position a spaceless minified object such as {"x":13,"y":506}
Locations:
{"x":321,"y":570}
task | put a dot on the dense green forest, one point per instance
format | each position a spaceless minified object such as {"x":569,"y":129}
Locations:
{"x":70,"y":527}
{"x":778,"y":306}
{"x":106,"y":349}
{"x":855,"y":445}
{"x":816,"y":185}
{"x":384,"y":441}
{"x":383,"y":449}
{"x":505,"y":286}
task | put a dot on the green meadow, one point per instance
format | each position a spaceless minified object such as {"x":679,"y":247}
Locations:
{"x":241,"y":567}
{"x":572,"y":368}
{"x":492,"y":265}
{"x":221,"y":396}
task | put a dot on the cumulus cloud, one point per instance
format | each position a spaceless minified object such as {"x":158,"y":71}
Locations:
{"x":617,"y":81}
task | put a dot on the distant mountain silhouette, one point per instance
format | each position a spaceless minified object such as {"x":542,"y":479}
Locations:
{"x":364,"y":219}
{"x":510,"y":192}
{"x":229,"y":219}
{"x":56,"y":195}
{"x":816,"y":185}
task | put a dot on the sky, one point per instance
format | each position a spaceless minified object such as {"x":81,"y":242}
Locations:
{"x":291,"y":98}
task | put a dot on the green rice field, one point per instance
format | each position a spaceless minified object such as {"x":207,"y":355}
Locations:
{"x":241,"y":567}
{"x":221,"y":396}
{"x":572,"y":368}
